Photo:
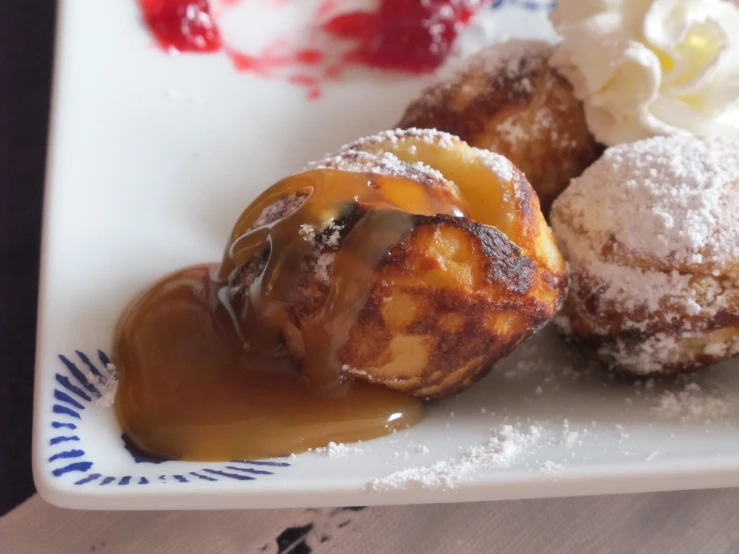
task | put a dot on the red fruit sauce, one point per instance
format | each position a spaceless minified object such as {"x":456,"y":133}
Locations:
{"x":182,"y":25}
{"x":413,"y":36}
{"x":405,"y":35}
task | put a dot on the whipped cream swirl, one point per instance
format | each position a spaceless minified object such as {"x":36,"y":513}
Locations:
{"x":652,"y":67}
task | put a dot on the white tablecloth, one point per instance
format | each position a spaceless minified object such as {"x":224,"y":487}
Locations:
{"x":689,"y":522}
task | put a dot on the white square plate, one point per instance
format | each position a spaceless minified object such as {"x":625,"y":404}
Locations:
{"x":152,"y":157}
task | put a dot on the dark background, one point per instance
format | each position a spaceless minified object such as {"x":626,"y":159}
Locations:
{"x":26,"y":49}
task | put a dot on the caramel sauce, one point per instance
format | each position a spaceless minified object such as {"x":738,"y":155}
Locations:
{"x":203,"y":380}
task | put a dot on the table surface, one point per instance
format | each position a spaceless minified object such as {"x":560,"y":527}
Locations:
{"x":26,"y":51}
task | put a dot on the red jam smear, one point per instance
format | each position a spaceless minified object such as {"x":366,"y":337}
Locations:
{"x":411,"y":36}
{"x":182,"y":25}
{"x":404,"y":35}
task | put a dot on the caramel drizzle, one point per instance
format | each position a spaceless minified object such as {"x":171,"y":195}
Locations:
{"x":388,"y":204}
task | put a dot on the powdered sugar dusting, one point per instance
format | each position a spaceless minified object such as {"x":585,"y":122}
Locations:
{"x":339,"y":450}
{"x":324,"y":267}
{"x":551,"y":468}
{"x":519,"y":130}
{"x":653,"y":229}
{"x":106,"y":384}
{"x":571,"y":437}
{"x":499,"y":165}
{"x":679,"y":195}
{"x":500,"y":452}
{"x":307,"y":232}
{"x":513,"y":131}
{"x":428,"y":136}
{"x":693,"y":403}
{"x":509,"y":62}
{"x":383,"y":163}
{"x":279,"y":209}
{"x":331,"y":237}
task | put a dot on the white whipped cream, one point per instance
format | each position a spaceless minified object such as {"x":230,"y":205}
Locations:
{"x":652,"y":67}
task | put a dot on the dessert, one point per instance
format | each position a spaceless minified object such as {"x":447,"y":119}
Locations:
{"x":401,"y":268}
{"x":652,"y":67}
{"x":651,"y":234}
{"x":508,"y":100}
{"x":462,"y":292}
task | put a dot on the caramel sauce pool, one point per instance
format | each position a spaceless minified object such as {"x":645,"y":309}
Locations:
{"x":202,"y":380}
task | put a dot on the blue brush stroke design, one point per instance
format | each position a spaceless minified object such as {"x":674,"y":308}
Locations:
{"x":103,"y":357}
{"x":261,"y":463}
{"x":532,"y":5}
{"x":125,"y":480}
{"x":143,"y":481}
{"x":59,"y":409}
{"x":204,"y":477}
{"x":77,"y":374}
{"x":107,"y":480}
{"x":250,"y":470}
{"x":181,"y":478}
{"x":85,"y":360}
{"x":87,"y":479}
{"x":230,"y":475}
{"x":57,"y":440}
{"x":64,"y":381}
{"x":60,"y":425}
{"x":64,"y":397}
{"x":67,"y":454}
{"x":77,"y":466}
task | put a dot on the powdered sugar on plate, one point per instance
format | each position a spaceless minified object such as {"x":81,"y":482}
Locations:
{"x":571,"y":437}
{"x":107,"y":385}
{"x":339,"y":450}
{"x":551,"y":468}
{"x":693,"y":403}
{"x":505,"y":447}
{"x":105,"y":382}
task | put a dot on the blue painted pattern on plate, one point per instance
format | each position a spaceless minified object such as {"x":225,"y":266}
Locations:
{"x":79,"y":384}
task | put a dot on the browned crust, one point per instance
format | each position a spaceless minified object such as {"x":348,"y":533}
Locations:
{"x":477,"y":105}
{"x":454,"y":296}
{"x":462,"y":354}
{"x":508,"y":287}
{"x":525,"y":226}
{"x":463,"y":105}
{"x":616,"y":337}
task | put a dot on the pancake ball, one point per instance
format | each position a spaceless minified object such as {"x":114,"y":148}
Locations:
{"x":448,"y":297}
{"x":651,"y":234}
{"x":508,"y":99}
